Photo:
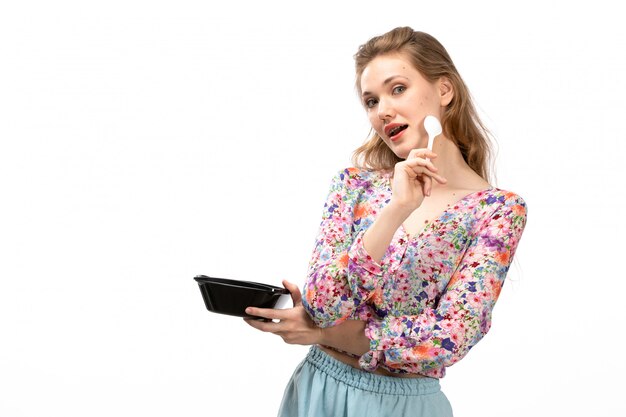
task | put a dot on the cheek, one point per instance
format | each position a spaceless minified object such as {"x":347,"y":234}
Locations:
{"x":429,"y":101}
{"x":375,"y":122}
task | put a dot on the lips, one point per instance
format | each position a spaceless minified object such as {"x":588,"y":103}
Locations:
{"x":394,"y":129}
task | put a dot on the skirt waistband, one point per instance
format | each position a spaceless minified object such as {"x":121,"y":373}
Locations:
{"x":368,"y":381}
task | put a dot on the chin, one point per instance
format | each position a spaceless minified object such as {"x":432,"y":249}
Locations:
{"x":402,"y":153}
{"x":405,"y":149}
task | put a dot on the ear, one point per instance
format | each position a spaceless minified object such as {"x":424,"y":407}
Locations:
{"x":446,"y":91}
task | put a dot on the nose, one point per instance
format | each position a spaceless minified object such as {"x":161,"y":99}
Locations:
{"x":385,"y":110}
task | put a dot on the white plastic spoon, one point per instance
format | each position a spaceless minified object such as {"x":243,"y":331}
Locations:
{"x":433,"y":128}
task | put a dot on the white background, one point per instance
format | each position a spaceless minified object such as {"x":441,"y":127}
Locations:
{"x":143,"y":143}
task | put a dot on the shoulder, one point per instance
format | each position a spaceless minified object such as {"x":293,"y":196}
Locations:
{"x":359,"y":173}
{"x":499,"y":197}
{"x":358,"y":178}
{"x":499,"y":203}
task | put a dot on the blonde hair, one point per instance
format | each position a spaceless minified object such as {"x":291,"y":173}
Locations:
{"x":460,"y":121}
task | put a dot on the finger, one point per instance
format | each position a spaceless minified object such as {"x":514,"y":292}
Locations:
{"x":421,"y":170}
{"x":267,"y":313}
{"x":424,"y":172}
{"x":422,"y":162}
{"x":440,"y":179}
{"x":423,"y":175}
{"x":264,"y":326}
{"x":296,"y":295}
{"x":427,"y":185}
{"x":421,"y":153}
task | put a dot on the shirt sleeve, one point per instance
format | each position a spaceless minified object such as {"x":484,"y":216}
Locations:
{"x":441,"y":336}
{"x":338,"y":258}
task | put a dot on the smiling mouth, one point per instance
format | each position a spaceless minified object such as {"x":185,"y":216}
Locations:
{"x":393,"y":132}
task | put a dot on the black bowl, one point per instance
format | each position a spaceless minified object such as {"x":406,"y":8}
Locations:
{"x":229,"y":296}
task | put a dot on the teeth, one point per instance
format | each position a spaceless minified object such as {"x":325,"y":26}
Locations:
{"x":395,"y":130}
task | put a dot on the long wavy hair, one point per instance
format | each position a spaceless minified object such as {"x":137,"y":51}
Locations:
{"x":460,"y":121}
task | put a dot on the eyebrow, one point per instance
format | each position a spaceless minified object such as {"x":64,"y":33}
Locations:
{"x":387,"y":81}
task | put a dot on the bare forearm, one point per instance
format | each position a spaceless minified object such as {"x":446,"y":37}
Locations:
{"x":378,"y":236}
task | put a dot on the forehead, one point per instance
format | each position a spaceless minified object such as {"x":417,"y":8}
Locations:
{"x":384,"y":66}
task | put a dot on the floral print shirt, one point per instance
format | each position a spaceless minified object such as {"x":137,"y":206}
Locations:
{"x":429,"y":300}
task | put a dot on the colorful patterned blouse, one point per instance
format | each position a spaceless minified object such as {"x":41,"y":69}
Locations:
{"x":429,"y":300}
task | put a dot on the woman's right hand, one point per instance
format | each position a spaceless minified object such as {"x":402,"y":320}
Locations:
{"x":412,"y":179}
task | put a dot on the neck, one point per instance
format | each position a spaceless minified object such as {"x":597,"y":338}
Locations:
{"x":450,"y":163}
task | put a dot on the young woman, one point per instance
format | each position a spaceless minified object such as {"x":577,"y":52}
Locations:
{"x":413,"y":248}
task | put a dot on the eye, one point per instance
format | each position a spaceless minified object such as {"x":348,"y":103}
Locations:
{"x":399,"y":89}
{"x":370,"y":102}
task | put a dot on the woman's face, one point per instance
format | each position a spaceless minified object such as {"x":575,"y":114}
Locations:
{"x":397,"y":98}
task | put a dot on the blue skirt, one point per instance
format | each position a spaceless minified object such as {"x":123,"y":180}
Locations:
{"x":323,"y":386}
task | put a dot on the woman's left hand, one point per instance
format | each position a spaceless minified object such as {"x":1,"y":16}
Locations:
{"x":294,"y":326}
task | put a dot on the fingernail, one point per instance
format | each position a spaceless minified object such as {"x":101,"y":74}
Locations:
{"x":248,"y":310}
